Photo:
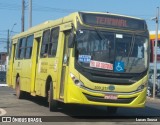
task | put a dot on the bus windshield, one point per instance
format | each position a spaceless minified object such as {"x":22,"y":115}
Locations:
{"x":102,"y":49}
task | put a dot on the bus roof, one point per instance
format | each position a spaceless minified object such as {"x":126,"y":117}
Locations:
{"x":114,"y":14}
{"x":70,"y":17}
{"x":46,"y":24}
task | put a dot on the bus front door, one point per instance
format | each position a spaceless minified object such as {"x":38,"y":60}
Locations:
{"x":64,"y":65}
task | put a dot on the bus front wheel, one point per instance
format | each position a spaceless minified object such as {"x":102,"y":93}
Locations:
{"x":53,"y":104}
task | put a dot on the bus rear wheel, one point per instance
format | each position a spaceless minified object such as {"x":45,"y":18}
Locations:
{"x":19,"y":92}
{"x":53,"y":104}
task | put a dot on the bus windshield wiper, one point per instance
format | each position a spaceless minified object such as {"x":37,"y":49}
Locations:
{"x":101,"y":36}
{"x":130,"y":52}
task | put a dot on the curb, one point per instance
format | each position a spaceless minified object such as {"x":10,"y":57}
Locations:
{"x":156,"y":100}
{"x":3,"y":85}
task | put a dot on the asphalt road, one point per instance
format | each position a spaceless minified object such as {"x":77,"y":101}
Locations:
{"x":37,"y":106}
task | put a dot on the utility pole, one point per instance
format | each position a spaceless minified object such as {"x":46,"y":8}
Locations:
{"x":30,"y":13}
{"x":22,"y":19}
{"x":155,"y":53}
{"x":8,"y":42}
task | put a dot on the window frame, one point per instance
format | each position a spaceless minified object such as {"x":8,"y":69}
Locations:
{"x":29,"y":47}
{"x":46,"y":44}
{"x":21,"y":47}
{"x":53,"y":41}
{"x":47,"y":47}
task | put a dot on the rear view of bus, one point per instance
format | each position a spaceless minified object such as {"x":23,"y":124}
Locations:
{"x":109,"y":62}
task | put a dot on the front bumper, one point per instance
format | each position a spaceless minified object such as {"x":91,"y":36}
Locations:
{"x":79,"y":95}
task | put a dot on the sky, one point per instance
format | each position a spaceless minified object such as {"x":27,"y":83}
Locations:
{"x":43,"y":10}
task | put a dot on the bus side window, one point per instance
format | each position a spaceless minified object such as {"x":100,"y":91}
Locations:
{"x":53,"y":41}
{"x":20,"y":48}
{"x":28,"y":49}
{"x":10,"y":50}
{"x":17,"y":49}
{"x":45,"y":42}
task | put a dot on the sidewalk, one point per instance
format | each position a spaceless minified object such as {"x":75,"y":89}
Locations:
{"x":3,"y":83}
{"x":156,"y":100}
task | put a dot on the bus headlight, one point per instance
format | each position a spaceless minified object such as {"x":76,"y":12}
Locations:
{"x":76,"y":81}
{"x":142,"y":86}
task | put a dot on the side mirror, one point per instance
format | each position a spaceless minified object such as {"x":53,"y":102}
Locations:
{"x":71,"y":39}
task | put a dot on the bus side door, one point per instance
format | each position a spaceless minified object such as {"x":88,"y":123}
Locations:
{"x":47,"y":61}
{"x":35,"y":55}
{"x":65,"y":60}
{"x":66,"y":30}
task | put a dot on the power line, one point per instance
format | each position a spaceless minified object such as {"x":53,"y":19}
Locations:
{"x":14,"y":32}
{"x":2,"y":34}
{"x":3,"y":42}
{"x":3,"y":30}
{"x":3,"y":38}
{"x":10,"y":6}
{"x":40,"y":8}
{"x":35,"y":8}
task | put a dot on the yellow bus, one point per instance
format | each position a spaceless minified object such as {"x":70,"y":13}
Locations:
{"x":88,"y":58}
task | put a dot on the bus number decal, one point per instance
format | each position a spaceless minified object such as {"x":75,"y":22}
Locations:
{"x":43,"y":70}
{"x":18,"y":64}
{"x":103,"y":88}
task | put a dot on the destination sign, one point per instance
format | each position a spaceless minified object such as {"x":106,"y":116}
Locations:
{"x":111,"y":21}
{"x":107,"y":20}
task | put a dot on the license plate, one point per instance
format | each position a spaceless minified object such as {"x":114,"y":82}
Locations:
{"x":113,"y":97}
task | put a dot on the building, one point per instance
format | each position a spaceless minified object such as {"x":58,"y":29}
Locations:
{"x":3,"y":56}
{"x":152,"y":43}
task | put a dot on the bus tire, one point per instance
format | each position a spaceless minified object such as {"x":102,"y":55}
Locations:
{"x":53,"y":104}
{"x":19,"y":92}
{"x":112,"y":110}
